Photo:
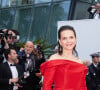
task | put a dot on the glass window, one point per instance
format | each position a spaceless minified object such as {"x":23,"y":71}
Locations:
{"x":8,"y":3}
{"x":7,"y":18}
{"x":0,"y":3}
{"x":57,"y":0}
{"x":40,"y":23}
{"x":13,"y":2}
{"x":59,"y":12}
{"x":81,"y":11}
{"x":89,"y":1}
{"x":25,"y":2}
{"x":41,"y":1}
{"x":96,"y":1}
{"x":24,"y":19}
{"x":5,"y":3}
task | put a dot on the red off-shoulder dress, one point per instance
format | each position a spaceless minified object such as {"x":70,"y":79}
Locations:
{"x":65,"y":74}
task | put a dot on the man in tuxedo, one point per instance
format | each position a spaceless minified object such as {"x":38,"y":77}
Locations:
{"x":94,"y":11}
{"x":9,"y":72}
{"x":93,"y":76}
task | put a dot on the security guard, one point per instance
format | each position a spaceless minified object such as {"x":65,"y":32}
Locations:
{"x":93,"y":76}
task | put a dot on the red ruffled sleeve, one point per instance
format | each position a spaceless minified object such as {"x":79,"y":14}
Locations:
{"x":83,"y":81}
{"x":48,"y":73}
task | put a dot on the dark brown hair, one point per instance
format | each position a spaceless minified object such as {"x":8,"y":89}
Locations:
{"x":63,"y":28}
{"x":7,"y":51}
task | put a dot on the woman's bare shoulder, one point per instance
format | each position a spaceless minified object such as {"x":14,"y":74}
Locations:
{"x":53,"y":57}
{"x":79,"y":60}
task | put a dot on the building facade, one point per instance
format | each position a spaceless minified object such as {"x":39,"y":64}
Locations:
{"x":38,"y":18}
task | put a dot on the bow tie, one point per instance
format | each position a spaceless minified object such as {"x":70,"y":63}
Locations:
{"x":12,"y":65}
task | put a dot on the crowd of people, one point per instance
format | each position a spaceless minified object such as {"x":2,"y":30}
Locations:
{"x":19,"y":67}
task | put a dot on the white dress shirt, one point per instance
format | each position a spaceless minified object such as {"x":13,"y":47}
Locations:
{"x":14,"y":74}
{"x":96,"y":16}
{"x":13,"y":71}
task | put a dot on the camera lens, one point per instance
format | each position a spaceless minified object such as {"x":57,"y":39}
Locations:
{"x":1,"y":36}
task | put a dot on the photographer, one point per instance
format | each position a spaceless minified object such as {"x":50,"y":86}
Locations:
{"x":94,"y":11}
{"x":3,"y":45}
{"x":30,"y":63}
{"x":12,"y":39}
{"x":93,"y":77}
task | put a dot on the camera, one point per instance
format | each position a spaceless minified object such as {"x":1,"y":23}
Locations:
{"x":9,"y":36}
{"x":5,"y":34}
{"x":92,"y":10}
{"x":1,"y":55}
{"x":14,"y":37}
{"x":1,"y":36}
{"x":22,"y":57}
{"x":39,"y":49}
{"x":22,"y":80}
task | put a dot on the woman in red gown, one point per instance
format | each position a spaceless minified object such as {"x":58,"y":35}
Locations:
{"x":64,"y":69}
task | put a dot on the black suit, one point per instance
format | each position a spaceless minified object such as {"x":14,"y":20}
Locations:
{"x":5,"y":75}
{"x":32,"y":82}
{"x":93,"y":78}
{"x":91,"y":16}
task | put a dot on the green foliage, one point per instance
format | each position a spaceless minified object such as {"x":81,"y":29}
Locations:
{"x":21,"y":44}
{"x":46,"y":48}
{"x":43,"y":43}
